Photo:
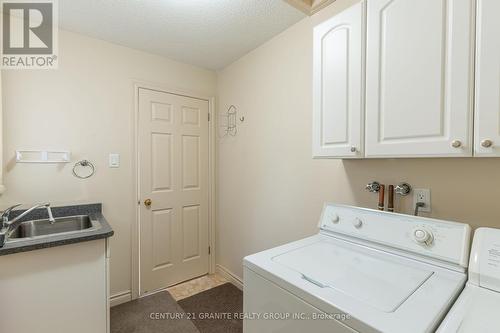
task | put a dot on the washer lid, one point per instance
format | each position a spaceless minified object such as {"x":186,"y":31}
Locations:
{"x":381,"y":283}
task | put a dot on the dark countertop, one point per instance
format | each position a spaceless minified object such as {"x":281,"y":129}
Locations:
{"x":93,"y":210}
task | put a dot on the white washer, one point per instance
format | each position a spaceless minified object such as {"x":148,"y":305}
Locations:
{"x":365,"y":271}
{"x":478,"y":307}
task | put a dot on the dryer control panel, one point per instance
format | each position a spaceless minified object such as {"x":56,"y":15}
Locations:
{"x":484,"y":266}
{"x":438,"y":239}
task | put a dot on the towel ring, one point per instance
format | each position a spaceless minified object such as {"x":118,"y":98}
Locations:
{"x":84,"y":164}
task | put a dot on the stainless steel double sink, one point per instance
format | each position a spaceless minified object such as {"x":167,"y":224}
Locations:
{"x":35,"y":229}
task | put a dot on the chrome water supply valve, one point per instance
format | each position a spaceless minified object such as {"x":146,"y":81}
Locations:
{"x":373,"y":187}
{"x":403,"y":189}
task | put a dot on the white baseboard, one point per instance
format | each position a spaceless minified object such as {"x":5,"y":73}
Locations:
{"x":230,"y":276}
{"x":120,"y":298}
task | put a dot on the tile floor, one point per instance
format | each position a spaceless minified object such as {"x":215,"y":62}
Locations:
{"x":195,"y":286}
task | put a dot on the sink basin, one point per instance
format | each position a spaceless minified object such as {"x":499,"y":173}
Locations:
{"x":43,"y":228}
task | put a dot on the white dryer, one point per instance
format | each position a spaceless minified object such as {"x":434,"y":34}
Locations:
{"x":478,"y":307}
{"x":365,"y":271}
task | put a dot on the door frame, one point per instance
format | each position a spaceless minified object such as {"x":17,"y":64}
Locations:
{"x":135,"y":230}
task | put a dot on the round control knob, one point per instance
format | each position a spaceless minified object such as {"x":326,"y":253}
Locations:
{"x":423,"y":236}
{"x":334,"y":218}
{"x":357,"y":223}
{"x":486,"y":143}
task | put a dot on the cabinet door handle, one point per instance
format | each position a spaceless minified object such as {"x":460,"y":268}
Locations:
{"x":148,"y":202}
{"x":456,"y":143}
{"x":486,"y":143}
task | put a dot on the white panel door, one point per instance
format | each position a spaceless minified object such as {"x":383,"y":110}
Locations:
{"x":173,"y":175}
{"x":338,"y":85}
{"x":419,"y":78}
{"x":487,"y":117}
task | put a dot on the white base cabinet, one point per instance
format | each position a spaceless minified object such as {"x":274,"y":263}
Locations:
{"x":487,"y":110}
{"x":58,"y":289}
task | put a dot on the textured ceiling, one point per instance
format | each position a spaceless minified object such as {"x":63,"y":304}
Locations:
{"x":205,"y":33}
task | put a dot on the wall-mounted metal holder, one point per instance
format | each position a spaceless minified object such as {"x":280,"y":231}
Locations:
{"x":83,"y":164}
{"x":230,"y":123}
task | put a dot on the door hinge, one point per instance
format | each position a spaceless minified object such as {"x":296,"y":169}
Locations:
{"x":209,"y":116}
{"x":209,"y":250}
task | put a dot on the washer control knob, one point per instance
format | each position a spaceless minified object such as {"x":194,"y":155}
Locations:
{"x":423,"y":236}
{"x":335,"y":218}
{"x":357,"y":223}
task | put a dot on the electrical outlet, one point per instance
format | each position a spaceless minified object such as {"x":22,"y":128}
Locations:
{"x":422,"y":195}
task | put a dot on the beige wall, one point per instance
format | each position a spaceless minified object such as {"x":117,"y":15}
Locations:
{"x":2,"y":187}
{"x":270,"y":190}
{"x":86,"y":106}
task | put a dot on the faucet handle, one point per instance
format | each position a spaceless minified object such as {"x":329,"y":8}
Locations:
{"x":403,"y":189}
{"x":373,"y":187}
{"x":6,"y":212}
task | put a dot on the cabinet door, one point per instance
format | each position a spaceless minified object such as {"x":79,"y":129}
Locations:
{"x":419,"y":78}
{"x":487,"y":121}
{"x":338,"y":85}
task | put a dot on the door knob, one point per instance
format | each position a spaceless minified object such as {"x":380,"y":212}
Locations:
{"x":456,"y":144}
{"x":486,"y":143}
{"x":148,"y":202}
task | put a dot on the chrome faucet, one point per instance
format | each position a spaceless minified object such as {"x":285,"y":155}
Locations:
{"x":9,"y":225}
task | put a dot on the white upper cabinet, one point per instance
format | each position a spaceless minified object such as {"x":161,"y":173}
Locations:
{"x":419,"y":78}
{"x":487,"y":117}
{"x":338,"y":85}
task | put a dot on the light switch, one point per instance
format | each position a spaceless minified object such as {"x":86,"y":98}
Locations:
{"x":114,"y":160}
